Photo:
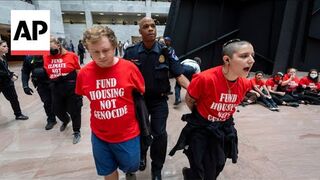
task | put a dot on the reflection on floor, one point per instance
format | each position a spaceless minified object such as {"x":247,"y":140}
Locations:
{"x":273,"y":145}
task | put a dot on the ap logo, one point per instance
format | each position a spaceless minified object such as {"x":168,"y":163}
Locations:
{"x":30,"y":32}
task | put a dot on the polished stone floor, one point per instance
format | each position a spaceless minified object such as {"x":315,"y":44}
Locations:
{"x":281,"y":145}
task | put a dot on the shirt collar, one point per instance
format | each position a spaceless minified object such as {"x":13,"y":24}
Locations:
{"x":155,"y":48}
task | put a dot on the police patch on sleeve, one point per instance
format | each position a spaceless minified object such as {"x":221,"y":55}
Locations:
{"x":174,"y":55}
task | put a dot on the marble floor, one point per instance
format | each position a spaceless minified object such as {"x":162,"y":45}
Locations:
{"x":273,"y":145}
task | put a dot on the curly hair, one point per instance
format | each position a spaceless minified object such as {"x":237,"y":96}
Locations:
{"x":95,"y":33}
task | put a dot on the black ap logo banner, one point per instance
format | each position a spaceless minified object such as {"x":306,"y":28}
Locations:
{"x":30,"y":32}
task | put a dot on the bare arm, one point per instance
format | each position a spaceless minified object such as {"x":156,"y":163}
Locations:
{"x":183,"y":81}
{"x":258,"y":90}
{"x":267,"y":91}
{"x":284,"y":83}
{"x":275,"y":92}
{"x":190,"y":101}
{"x":253,"y":91}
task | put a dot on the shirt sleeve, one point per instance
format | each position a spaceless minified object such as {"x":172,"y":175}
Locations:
{"x":174,"y":63}
{"x":248,"y":84}
{"x":137,"y":79}
{"x":76,"y":61}
{"x":79,"y":81}
{"x":303,"y":81}
{"x":195,"y":86}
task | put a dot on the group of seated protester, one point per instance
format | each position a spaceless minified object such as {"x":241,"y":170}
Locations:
{"x":282,"y":89}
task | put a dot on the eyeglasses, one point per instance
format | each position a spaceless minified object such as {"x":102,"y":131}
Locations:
{"x":231,"y":41}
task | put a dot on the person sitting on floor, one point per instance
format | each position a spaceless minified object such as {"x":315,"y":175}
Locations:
{"x":278,"y":95}
{"x":260,"y":87}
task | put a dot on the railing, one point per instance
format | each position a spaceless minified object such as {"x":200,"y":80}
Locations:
{"x":209,"y":44}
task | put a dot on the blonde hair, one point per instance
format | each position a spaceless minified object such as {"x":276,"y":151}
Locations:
{"x":95,"y":34}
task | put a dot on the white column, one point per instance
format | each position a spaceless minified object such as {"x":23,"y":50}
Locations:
{"x":88,"y":18}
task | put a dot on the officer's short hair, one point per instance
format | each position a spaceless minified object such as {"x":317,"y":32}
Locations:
{"x":167,"y":38}
{"x":140,"y":23}
{"x":230,"y":47}
{"x":95,"y":33}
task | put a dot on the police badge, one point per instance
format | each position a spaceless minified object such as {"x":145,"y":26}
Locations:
{"x":162,"y":58}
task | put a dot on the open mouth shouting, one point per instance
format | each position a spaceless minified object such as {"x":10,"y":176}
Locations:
{"x":247,"y":69}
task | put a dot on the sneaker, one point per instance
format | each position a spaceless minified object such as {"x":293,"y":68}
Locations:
{"x":76,"y":137}
{"x":177,"y":102}
{"x":50,"y":125}
{"x":131,"y":176}
{"x":156,"y":177}
{"x":64,"y":125}
{"x":244,"y":103}
{"x":22,"y":117}
{"x":293,"y":104}
{"x":272,"y":109}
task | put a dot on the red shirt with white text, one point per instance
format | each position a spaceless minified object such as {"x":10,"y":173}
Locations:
{"x":61,"y":64}
{"x":211,"y":92}
{"x":109,"y":90}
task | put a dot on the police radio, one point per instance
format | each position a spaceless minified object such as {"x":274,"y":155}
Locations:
{"x":165,"y":51}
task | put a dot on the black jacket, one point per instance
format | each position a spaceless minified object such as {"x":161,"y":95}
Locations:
{"x":143,"y":119}
{"x":33,"y":65}
{"x":5,"y":73}
{"x":224,"y":132}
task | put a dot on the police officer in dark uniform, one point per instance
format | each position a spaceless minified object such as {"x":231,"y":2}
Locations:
{"x":7,"y":83}
{"x":34,"y":65}
{"x":155,"y":61}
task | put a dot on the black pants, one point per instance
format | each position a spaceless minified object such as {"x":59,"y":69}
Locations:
{"x":9,"y":92}
{"x":81,"y":56}
{"x":158,"y":110}
{"x":44,"y":92}
{"x":66,"y":102}
{"x":280,"y":99}
{"x":206,"y":157}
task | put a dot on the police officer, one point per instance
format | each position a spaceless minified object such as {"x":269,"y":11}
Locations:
{"x":62,"y":67}
{"x":34,"y":65}
{"x":7,"y":79}
{"x":154,"y":60}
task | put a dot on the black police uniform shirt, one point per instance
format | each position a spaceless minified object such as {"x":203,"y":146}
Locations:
{"x":155,"y":65}
{"x":33,"y":65}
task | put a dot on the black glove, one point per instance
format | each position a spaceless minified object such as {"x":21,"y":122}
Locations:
{"x":28,"y":90}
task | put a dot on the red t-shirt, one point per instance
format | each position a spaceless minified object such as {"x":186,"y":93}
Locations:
{"x":255,"y":82}
{"x":270,"y":82}
{"x":293,"y":84}
{"x":210,"y":90}
{"x":308,"y":82}
{"x":61,"y":64}
{"x":109,"y":90}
